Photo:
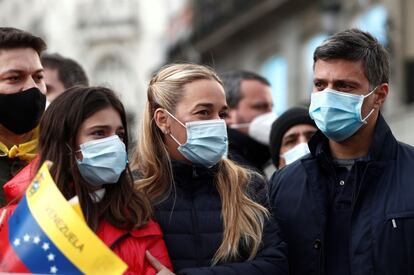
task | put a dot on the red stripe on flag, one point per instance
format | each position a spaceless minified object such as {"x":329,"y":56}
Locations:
{"x":9,"y":261}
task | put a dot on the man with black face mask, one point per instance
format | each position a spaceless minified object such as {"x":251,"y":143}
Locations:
{"x":22,"y":100}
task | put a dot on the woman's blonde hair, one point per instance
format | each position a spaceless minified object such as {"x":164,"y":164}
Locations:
{"x":243,"y":219}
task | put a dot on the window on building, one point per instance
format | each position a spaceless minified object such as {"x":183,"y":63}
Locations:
{"x":374,"y":21}
{"x":309,"y":48}
{"x":274,"y":69}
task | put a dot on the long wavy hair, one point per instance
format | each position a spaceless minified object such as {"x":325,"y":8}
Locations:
{"x":122,"y":205}
{"x":243,"y":219}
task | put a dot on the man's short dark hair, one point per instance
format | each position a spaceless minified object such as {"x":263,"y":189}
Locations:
{"x":231,"y":83}
{"x":70,"y":73}
{"x":11,"y":38}
{"x":355,"y":45}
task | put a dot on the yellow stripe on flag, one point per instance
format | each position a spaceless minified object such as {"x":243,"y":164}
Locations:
{"x":67,"y":230}
{"x":74,"y":202}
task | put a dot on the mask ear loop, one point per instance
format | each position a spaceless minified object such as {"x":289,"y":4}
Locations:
{"x":71,"y":153}
{"x":372,"y":110}
{"x":70,"y":149}
{"x":240,"y":125}
{"x":178,"y":122}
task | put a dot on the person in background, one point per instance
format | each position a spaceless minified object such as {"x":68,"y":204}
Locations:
{"x":22,"y":100}
{"x":213,"y":212}
{"x":248,"y":96}
{"x":61,"y":73}
{"x":84,"y":134}
{"x":289,"y":136}
{"x":348,"y":206}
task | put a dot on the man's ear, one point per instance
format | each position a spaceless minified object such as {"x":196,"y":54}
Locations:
{"x":161,"y":120}
{"x":381,"y":95}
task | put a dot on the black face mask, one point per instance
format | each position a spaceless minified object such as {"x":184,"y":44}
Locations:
{"x":20,"y":112}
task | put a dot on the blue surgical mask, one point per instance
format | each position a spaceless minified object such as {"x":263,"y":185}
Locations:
{"x":296,"y":153}
{"x":206,"y":141}
{"x":103,"y":160}
{"x":338,"y":114}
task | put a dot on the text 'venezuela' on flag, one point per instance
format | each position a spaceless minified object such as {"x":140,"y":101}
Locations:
{"x":46,"y":235}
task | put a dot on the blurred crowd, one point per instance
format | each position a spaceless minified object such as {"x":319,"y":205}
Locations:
{"x":216,"y":182}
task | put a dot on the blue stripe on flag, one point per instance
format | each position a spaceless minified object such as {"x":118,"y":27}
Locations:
{"x":34,"y":248}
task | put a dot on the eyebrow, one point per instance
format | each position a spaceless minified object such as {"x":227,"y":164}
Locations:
{"x":209,"y":105}
{"x":261,"y":103}
{"x":353,"y":82}
{"x":21,"y":71}
{"x":96,"y":127}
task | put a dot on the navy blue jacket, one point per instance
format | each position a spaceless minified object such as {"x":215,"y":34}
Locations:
{"x":382,"y":222}
{"x":190,"y":219}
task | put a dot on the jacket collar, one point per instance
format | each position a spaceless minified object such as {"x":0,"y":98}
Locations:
{"x":110,"y":234}
{"x":255,"y":153}
{"x":187,"y":172}
{"x":383,"y":146}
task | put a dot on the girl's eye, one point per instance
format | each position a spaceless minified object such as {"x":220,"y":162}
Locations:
{"x":99,"y":133}
{"x":121,"y":135}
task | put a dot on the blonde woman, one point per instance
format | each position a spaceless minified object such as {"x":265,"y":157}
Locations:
{"x":212,"y":212}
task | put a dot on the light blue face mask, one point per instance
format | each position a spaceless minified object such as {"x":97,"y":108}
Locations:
{"x":206,"y":141}
{"x":338,"y":114}
{"x":296,"y":153}
{"x":103,"y":160}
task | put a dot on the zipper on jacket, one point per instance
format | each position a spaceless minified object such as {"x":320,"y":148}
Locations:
{"x":322,"y":262}
{"x":195,"y":174}
{"x":358,"y":186}
{"x":197,"y":240}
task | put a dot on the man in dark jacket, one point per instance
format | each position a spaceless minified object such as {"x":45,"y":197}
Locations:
{"x":248,"y":96}
{"x":348,"y":206}
{"x":22,"y":100}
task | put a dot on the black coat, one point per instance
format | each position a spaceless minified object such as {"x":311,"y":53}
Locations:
{"x":190,"y":219}
{"x":382,"y":221}
{"x":246,"y":151}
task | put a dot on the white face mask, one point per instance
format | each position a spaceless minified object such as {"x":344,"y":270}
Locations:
{"x":296,"y":153}
{"x":260,"y":127}
{"x":47,"y":104}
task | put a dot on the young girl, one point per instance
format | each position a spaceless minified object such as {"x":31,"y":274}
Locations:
{"x":84,"y":133}
{"x":212,"y":212}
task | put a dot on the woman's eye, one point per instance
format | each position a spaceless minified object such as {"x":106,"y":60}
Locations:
{"x":203,"y":112}
{"x":223,"y":115}
{"x":39,"y":77}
